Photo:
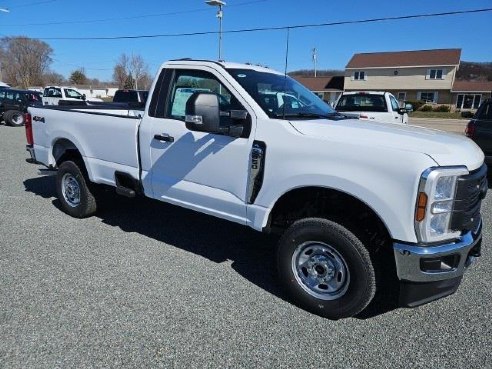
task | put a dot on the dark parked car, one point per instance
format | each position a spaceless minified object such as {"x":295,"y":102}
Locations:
{"x":13,"y":104}
{"x":134,"y":98}
{"x":479,"y":129}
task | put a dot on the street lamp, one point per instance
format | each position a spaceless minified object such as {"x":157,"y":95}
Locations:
{"x":220,"y":14}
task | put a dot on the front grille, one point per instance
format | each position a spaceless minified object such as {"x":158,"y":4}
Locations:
{"x":470,"y":190}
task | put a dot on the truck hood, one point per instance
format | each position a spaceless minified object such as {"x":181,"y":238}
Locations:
{"x":446,"y":149}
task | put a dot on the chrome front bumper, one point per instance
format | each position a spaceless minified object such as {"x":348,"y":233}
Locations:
{"x":416,"y":263}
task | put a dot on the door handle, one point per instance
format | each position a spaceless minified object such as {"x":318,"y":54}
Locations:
{"x":164,"y":137}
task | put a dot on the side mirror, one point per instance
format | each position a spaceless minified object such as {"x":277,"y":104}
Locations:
{"x":84,"y":97}
{"x":402,"y":111}
{"x":409,"y":107}
{"x":203,"y":112}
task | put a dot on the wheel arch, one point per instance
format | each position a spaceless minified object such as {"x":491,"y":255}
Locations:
{"x":64,"y":149}
{"x":326,"y":202}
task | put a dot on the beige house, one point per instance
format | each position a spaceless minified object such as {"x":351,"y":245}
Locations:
{"x":468,"y":95}
{"x":426,"y":75}
{"x":327,"y":88}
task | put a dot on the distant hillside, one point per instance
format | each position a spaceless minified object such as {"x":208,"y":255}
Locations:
{"x":472,"y":71}
{"x":319,"y":73}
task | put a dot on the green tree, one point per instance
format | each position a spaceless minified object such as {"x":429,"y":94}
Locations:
{"x":129,"y":82}
{"x":78,"y":77}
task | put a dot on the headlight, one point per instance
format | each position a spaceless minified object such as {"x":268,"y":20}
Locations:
{"x":435,"y":202}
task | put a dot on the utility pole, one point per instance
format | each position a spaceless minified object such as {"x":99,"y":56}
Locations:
{"x":3,"y":10}
{"x":220,"y":14}
{"x":315,"y":59}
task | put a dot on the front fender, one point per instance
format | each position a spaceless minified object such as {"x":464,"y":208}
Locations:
{"x":392,"y":199}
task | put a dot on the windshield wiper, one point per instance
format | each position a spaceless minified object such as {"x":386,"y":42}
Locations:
{"x":331,"y":116}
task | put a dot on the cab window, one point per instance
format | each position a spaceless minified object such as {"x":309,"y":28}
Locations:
{"x":187,"y":82}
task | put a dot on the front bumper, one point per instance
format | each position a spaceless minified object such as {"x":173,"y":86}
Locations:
{"x":427,"y":273}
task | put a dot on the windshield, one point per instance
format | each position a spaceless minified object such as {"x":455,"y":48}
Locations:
{"x":281,"y":96}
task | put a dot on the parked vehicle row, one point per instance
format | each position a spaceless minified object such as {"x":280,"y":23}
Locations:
{"x":376,"y":106}
{"x":355,"y":203}
{"x":13,"y":104}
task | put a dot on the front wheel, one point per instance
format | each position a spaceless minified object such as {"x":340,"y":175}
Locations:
{"x":73,"y":191}
{"x":325,"y":268}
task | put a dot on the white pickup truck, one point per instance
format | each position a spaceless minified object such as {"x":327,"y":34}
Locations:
{"x":375,"y":106}
{"x":356,"y":203}
{"x":52,"y":95}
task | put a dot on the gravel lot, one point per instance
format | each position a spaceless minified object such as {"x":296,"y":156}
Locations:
{"x":145,"y":284}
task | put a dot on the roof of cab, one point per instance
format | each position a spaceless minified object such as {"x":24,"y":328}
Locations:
{"x":364,"y":92}
{"x":226,"y":65}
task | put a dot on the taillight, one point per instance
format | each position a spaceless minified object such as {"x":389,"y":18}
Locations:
{"x":28,"y":125}
{"x":470,"y":129}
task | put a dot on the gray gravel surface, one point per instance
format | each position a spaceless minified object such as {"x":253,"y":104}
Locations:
{"x":144,"y":284}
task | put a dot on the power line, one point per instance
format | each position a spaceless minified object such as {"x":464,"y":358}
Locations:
{"x":260,"y":29}
{"x":154,"y":15}
{"x":32,"y":4}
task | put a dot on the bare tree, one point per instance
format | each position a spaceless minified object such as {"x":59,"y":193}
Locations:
{"x":138,"y":69}
{"x":133,"y":66}
{"x":2,"y":58}
{"x":145,"y":81}
{"x":25,"y":60}
{"x":120,"y":71}
{"x":119,"y":75}
{"x":53,"y":78}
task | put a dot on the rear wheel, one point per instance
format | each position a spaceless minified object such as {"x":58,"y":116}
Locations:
{"x":73,"y":191}
{"x":14,"y":118}
{"x":325,"y":268}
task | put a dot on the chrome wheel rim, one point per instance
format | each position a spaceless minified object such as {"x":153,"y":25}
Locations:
{"x":320,"y":270}
{"x":70,"y":190}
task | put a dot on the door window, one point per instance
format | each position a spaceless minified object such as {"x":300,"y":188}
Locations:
{"x":69,"y":92}
{"x":187,"y":82}
{"x":394,"y":104}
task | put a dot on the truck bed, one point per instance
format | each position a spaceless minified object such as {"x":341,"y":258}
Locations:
{"x":106,"y":137}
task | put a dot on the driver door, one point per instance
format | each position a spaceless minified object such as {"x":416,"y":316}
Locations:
{"x":199,"y":170}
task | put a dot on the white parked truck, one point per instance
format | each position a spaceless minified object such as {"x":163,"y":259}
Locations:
{"x":52,"y":95}
{"x":355,"y":203}
{"x":375,"y":106}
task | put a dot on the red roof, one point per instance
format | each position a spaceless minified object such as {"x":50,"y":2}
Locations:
{"x":435,"y":57}
{"x":330,"y":83}
{"x":472,"y":86}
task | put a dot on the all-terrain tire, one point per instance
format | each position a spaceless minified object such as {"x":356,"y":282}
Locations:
{"x":325,"y":268}
{"x":14,"y":118}
{"x":74,"y":193}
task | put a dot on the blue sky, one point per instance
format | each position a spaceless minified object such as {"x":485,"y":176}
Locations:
{"x":88,"y":18}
